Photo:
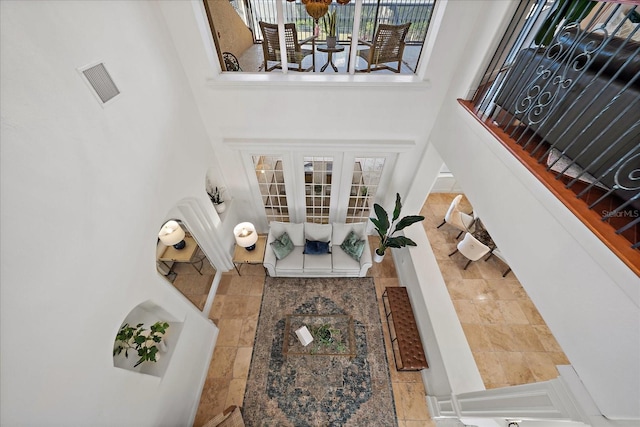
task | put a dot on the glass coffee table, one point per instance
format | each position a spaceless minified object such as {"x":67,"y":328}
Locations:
{"x":333,"y":335}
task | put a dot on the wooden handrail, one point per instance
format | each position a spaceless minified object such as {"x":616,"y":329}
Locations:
{"x":604,"y":231}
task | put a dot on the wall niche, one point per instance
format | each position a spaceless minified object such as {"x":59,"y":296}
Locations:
{"x":149,"y":313}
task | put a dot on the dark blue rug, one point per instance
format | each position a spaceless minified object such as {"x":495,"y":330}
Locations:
{"x":313,"y":389}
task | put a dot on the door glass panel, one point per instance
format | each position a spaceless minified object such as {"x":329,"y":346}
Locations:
{"x":317,"y":185}
{"x":272,"y":190}
{"x":367,"y":172}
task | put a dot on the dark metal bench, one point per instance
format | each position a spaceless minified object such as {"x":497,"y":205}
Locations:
{"x":403,"y":330}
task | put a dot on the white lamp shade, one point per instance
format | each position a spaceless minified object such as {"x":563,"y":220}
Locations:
{"x":171,"y":233}
{"x":245,"y":234}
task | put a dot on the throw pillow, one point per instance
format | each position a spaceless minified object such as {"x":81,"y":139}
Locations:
{"x":282,"y":246}
{"x":353,"y":246}
{"x":315,"y":247}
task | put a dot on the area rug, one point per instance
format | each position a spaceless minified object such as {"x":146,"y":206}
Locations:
{"x":317,"y":389}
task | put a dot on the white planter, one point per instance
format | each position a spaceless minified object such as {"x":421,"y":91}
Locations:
{"x":377,"y":258}
{"x":220,"y":207}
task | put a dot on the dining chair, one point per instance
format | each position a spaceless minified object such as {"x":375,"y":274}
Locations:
{"x":458,"y":219}
{"x":387,"y":46}
{"x":295,"y":51}
{"x":471,"y":248}
{"x":501,"y":257}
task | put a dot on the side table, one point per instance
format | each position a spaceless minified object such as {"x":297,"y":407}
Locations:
{"x":330,"y":51}
{"x":186,"y":254}
{"x":256,"y":256}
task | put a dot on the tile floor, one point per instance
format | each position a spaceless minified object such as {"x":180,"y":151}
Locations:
{"x":508,"y":338}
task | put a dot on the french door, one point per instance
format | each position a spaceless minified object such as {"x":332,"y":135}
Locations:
{"x":319,"y":188}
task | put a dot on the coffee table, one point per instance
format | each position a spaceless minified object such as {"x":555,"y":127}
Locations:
{"x":343,"y":335}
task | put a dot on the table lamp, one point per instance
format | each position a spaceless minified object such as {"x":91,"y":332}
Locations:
{"x":246,"y":235}
{"x":171,"y":234}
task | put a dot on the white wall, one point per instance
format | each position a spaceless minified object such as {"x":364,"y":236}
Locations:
{"x":84,"y":192}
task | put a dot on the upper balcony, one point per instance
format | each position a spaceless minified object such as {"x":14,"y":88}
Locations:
{"x":240,"y":34}
{"x":562,"y":93}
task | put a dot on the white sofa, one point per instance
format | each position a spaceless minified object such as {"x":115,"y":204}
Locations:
{"x":336,"y":264}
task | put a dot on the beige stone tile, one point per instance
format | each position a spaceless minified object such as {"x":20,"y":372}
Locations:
{"x":499,"y":336}
{"x":222,"y":363}
{"x":257,"y":287}
{"x":547,"y":339}
{"x":500,"y":289}
{"x":542,"y":365}
{"x":235,"y":306}
{"x":248,"y":332}
{"x":216,"y":307}
{"x":466,"y":311}
{"x":515,"y":368}
{"x":559,"y":358}
{"x":517,"y":289}
{"x":525,"y":338}
{"x":212,"y":402}
{"x":531,"y":312}
{"x":489,"y":311}
{"x":230,"y":330}
{"x":236,"y":392}
{"x":240,"y":285}
{"x":253,"y":305}
{"x":223,"y":286}
{"x":242,"y":362}
{"x":512,"y":313}
{"x":397,"y":399}
{"x":413,"y":401}
{"x":450,"y":270}
{"x":477,"y":337}
{"x":490,"y":367}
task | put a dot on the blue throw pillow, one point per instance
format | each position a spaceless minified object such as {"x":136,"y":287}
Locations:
{"x":282,"y":246}
{"x":314,"y":247}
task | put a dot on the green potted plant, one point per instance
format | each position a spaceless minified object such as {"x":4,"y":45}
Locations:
{"x":382,"y":225}
{"x":329,"y":21}
{"x":146,"y":343}
{"x":216,"y":198}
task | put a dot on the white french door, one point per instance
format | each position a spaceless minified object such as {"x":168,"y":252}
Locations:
{"x":319,"y":187}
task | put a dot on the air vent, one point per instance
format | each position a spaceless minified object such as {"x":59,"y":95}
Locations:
{"x":100,"y":80}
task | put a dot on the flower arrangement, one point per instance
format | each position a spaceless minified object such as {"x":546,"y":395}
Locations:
{"x":145,"y":343}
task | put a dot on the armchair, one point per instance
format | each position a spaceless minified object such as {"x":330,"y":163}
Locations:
{"x":295,"y":53}
{"x":387,"y":46}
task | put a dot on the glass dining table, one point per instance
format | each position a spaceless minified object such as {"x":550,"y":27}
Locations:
{"x":478,"y":230}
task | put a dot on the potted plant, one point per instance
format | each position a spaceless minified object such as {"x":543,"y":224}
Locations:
{"x":382,"y":225}
{"x":146,"y":343}
{"x":216,"y":198}
{"x":329,"y":21}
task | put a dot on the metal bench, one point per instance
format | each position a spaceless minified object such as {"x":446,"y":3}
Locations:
{"x":407,"y":347}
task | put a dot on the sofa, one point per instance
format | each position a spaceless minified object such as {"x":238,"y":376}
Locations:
{"x":317,"y":250}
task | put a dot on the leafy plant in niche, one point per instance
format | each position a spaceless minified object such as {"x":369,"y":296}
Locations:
{"x":144,"y":342}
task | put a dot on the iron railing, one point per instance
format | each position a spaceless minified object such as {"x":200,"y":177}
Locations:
{"x":374,"y":12}
{"x":564,"y":85}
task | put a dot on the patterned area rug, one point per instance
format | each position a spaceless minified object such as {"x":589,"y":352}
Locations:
{"x":318,"y":389}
